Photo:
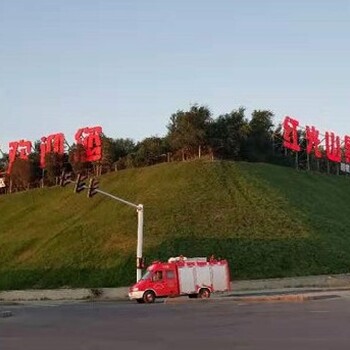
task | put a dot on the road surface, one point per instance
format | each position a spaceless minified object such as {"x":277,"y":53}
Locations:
{"x":322,"y":324}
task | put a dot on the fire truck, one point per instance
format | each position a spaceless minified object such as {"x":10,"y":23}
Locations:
{"x":195,"y":277}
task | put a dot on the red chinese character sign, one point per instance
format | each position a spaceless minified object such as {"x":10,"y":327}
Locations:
{"x":51,"y":144}
{"x":347,"y":149}
{"x":333,"y":149}
{"x":290,"y":134}
{"x":313,"y":141}
{"x":90,"y":138}
{"x":18,"y":149}
{"x":337,"y":150}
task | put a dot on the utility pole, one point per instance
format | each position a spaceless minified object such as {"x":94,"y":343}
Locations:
{"x":92,"y":190}
{"x":139,"y":248}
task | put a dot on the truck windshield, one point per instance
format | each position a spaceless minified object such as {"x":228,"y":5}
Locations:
{"x":146,"y":276}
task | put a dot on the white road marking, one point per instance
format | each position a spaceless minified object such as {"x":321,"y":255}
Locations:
{"x":320,"y":311}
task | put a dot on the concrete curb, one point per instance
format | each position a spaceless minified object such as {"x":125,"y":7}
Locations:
{"x":321,"y":281}
{"x":284,"y":291}
{"x":242,"y":300}
{"x":281,"y":298}
{"x":289,"y":283}
{"x":65,"y":294}
{"x":295,"y":298}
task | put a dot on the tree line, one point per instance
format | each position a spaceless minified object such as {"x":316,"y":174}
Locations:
{"x":191,"y":134}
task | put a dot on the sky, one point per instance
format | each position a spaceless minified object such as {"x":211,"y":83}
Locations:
{"x":127,"y":65}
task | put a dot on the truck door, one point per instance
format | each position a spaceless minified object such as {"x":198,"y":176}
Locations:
{"x":171,"y":281}
{"x":159,"y":283}
{"x":164,"y":282}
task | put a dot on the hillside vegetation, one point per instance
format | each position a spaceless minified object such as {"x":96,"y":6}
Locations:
{"x":269,"y":221}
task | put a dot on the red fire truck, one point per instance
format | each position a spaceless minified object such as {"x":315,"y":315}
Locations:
{"x":195,"y":277}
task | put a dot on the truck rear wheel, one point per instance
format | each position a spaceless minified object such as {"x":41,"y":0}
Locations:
{"x":204,"y":293}
{"x":149,"y":297}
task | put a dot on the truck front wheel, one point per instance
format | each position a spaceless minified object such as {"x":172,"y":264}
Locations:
{"x":204,"y":293}
{"x":149,"y":297}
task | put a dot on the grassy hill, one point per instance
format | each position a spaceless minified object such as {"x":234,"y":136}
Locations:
{"x":269,"y":221}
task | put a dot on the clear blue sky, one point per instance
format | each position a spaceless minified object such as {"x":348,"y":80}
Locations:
{"x":128,"y":65}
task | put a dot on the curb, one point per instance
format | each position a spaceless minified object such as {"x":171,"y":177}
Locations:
{"x":286,"y":291}
{"x":295,"y":298}
{"x":282,"y":298}
{"x":64,"y":294}
{"x":241,"y":288}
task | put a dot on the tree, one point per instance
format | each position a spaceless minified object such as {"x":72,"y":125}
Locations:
{"x":188,"y":131}
{"x":22,"y":174}
{"x":3,"y":175}
{"x":77,"y":159}
{"x":123,"y":153}
{"x":228,"y":133}
{"x":107,"y":151}
{"x":54,"y":166}
{"x":122,"y":147}
{"x":4,"y":159}
{"x":34,"y":158}
{"x":259,"y":144}
{"x":150,"y":151}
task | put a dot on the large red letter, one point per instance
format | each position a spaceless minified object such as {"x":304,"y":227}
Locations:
{"x":90,"y":138}
{"x":290,"y":134}
{"x":24,"y":149}
{"x":333,"y":149}
{"x":53,"y":143}
{"x":347,"y":149}
{"x":13,"y":146}
{"x":21,"y":149}
{"x":313,"y":141}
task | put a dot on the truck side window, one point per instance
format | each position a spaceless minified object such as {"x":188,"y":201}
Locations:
{"x":170,"y":275}
{"x":158,"y":276}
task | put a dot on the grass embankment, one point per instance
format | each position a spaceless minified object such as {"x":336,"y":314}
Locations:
{"x":269,"y":221}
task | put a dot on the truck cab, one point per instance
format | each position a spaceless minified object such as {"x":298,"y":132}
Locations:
{"x":160,"y":280}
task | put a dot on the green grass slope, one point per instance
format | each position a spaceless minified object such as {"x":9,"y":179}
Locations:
{"x":269,"y":221}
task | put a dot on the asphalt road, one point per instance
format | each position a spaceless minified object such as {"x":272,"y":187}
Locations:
{"x":193,"y":325}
